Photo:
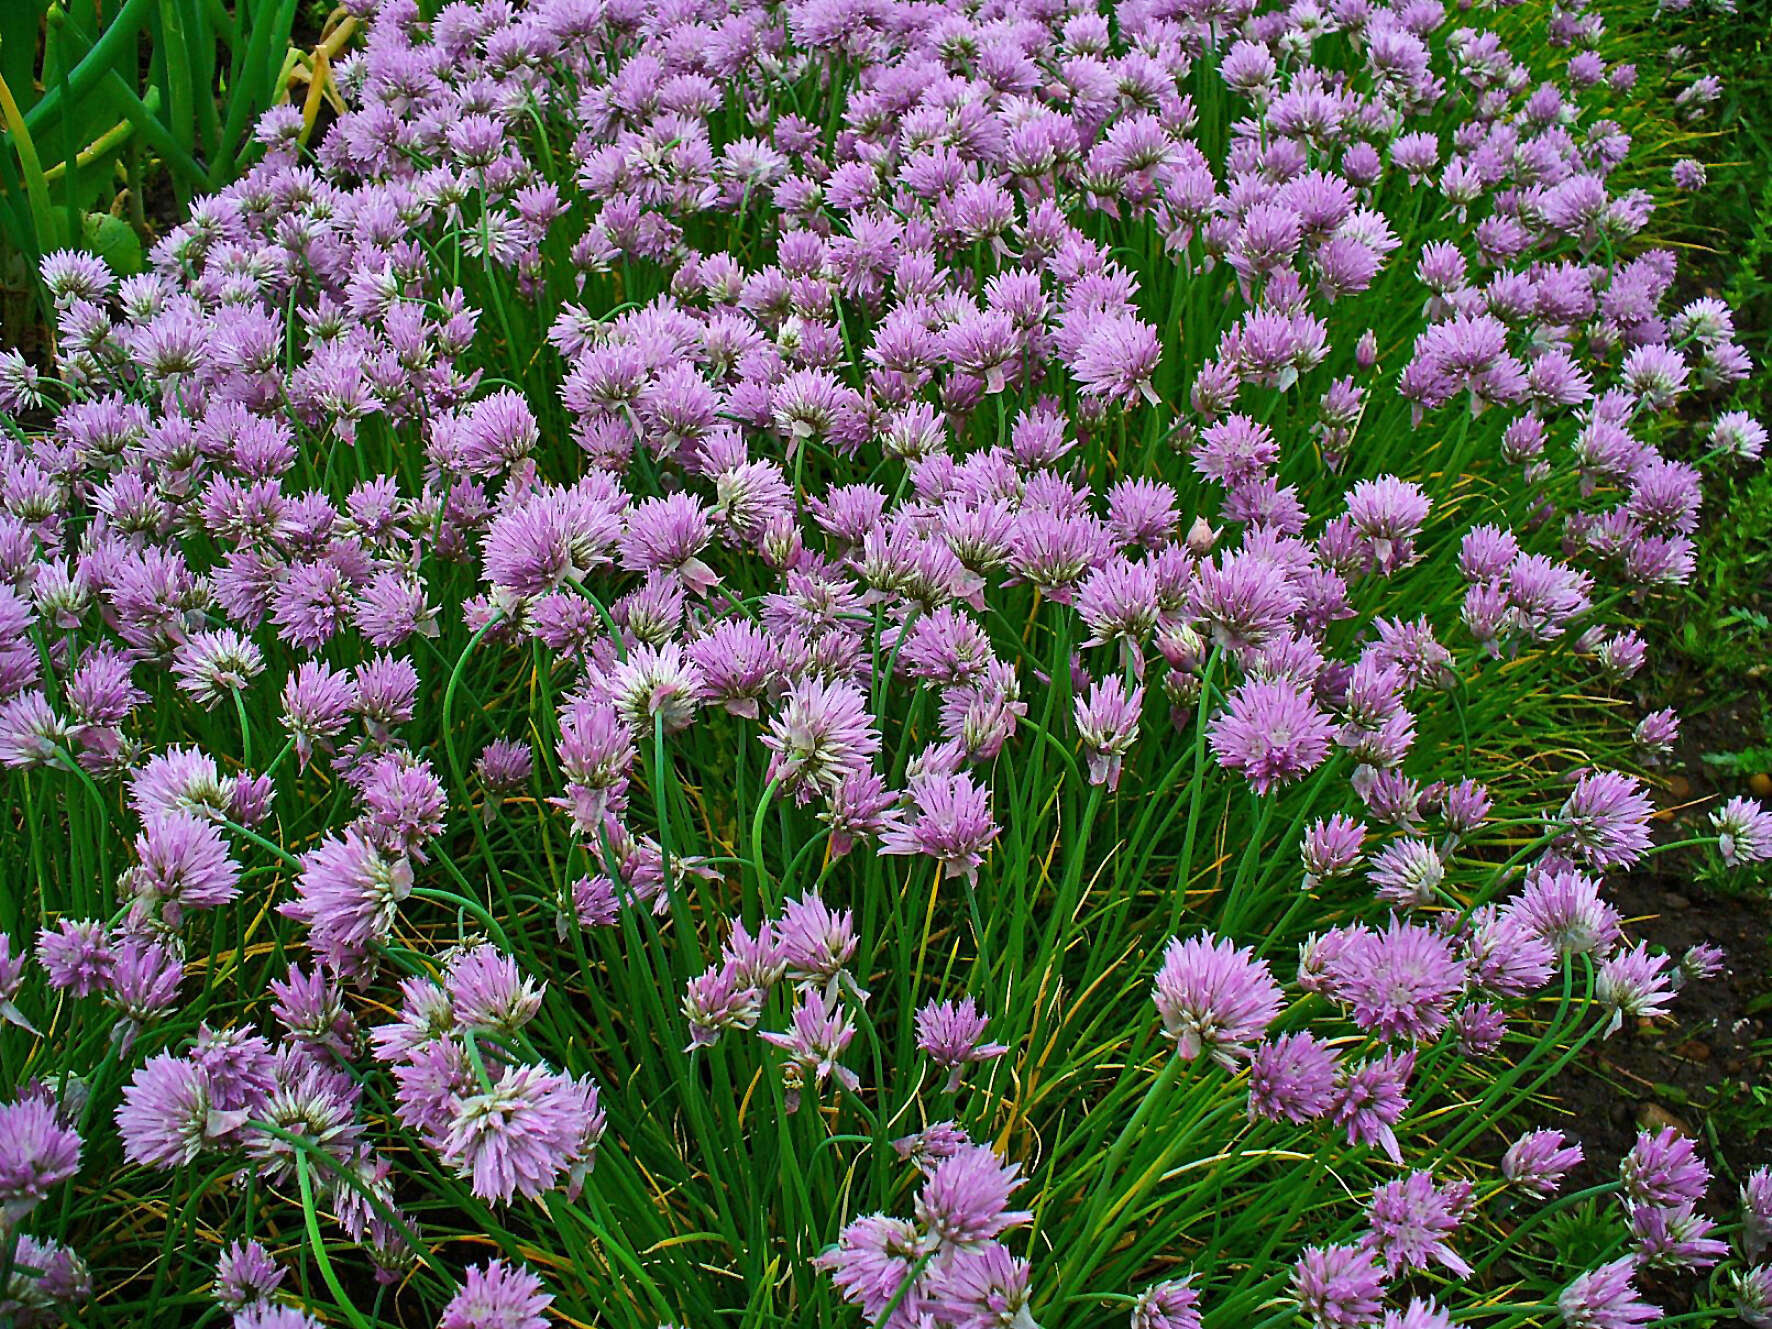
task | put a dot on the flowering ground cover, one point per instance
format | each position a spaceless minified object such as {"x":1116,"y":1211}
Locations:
{"x":865,"y":662}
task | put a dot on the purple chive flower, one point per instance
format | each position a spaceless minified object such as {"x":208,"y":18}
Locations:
{"x":310,"y":1008}
{"x":1215,"y":998}
{"x":100,"y":690}
{"x":1657,"y":732}
{"x":655,"y":684}
{"x":553,"y":537}
{"x":164,"y":1118}
{"x":965,"y":1199}
{"x":1480,"y":1027}
{"x":348,"y":892}
{"x":819,"y":1031}
{"x":1370,"y":1101}
{"x":311,"y":604}
{"x":982,"y":1287}
{"x":952,"y":1035}
{"x":1538,"y":1160}
{"x":1465,"y":807}
{"x":1634,"y":983}
{"x":874,"y":1260}
{"x":1418,"y":1314}
{"x":1246,"y":600}
{"x":77,"y":956}
{"x":20,"y":388}
{"x":387,"y":694}
{"x":1331,"y":848}
{"x":426,"y":1014}
{"x":517,"y":1137}
{"x":1292,"y":1079}
{"x":950,"y":822}
{"x":1737,"y":434}
{"x":1338,"y":1287}
{"x":667,"y":534}
{"x":305,"y":1098}
{"x":1272,"y":733}
{"x":497,"y":1296}
{"x":273,"y":1315}
{"x":1664,"y":1169}
{"x":489,"y":994}
{"x":810,"y":942}
{"x":737,"y":660}
{"x":1410,"y":1220}
{"x":932,"y":1144}
{"x":403,"y":804}
{"x":49,"y":1282}
{"x":1753,"y":1294}
{"x":212,"y":665}
{"x":1487,"y":552}
{"x":12,"y":978}
{"x":1756,"y":1212}
{"x":1744,"y":831}
{"x":1606,"y":1298}
{"x":1401,"y":982}
{"x":317,"y":704}
{"x":1606,"y":819}
{"x":144,"y":981}
{"x":1107,"y":726}
{"x":1115,"y":357}
{"x":861,"y":806}
{"x":1235,"y":450}
{"x":183,"y":864}
{"x":1674,"y":1238}
{"x":1564,"y":908}
{"x":504,"y":766}
{"x":823,"y":735}
{"x":37,"y":1152}
{"x":718,"y":1000}
{"x":1407,"y":873}
{"x":1057,"y":552}
{"x":1167,"y":1305}
{"x":1142,"y":512}
{"x":1702,"y":961}
{"x":947,"y":646}
{"x":239,"y":1064}
{"x":596,"y":751}
{"x":179,"y":780}
{"x":1387,"y":514}
{"x":30,"y":731}
{"x":244,"y":1275}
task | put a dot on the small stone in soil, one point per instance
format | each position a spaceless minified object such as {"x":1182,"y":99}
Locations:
{"x":1654,"y":1117}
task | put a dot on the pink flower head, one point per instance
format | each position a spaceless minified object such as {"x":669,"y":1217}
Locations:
{"x":1538,"y":1160}
{"x":952,"y":1034}
{"x":1272,"y":733}
{"x":1214,"y":997}
{"x":497,"y":1296}
{"x":1606,"y":1298}
{"x":38,"y":1151}
{"x":950,"y":822}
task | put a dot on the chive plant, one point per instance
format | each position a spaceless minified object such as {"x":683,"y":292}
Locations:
{"x":922,"y":665}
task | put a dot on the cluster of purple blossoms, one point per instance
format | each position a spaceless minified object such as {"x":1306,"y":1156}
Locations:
{"x":946,"y":1267}
{"x":508,"y":1127}
{"x":232,"y":1092}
